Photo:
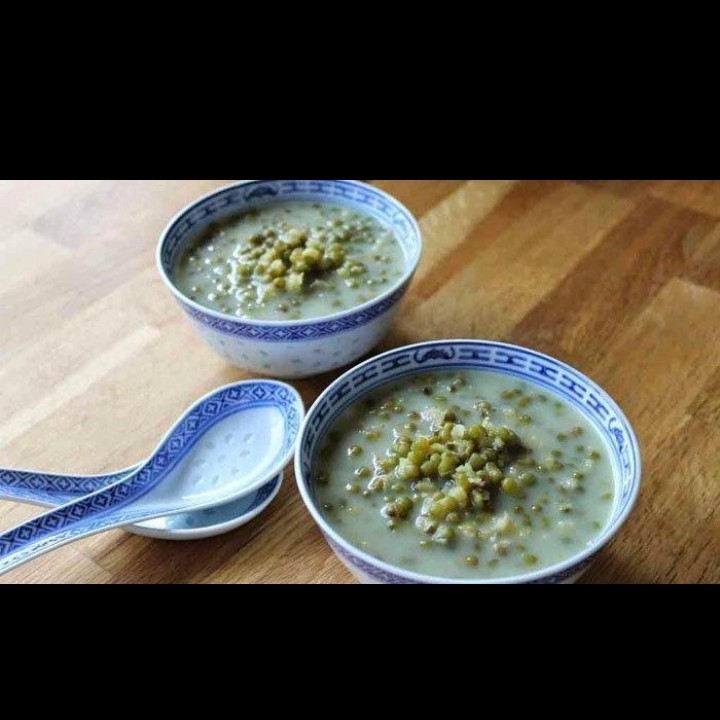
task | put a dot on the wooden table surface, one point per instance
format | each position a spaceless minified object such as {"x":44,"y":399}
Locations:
{"x":619,"y":278}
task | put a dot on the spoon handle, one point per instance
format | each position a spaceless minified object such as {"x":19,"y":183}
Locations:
{"x":110,"y":507}
{"x":49,"y":489}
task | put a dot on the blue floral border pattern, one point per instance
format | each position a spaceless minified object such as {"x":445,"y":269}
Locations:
{"x":99,"y":510}
{"x":511,"y":360}
{"x":297,"y":333}
{"x":391,"y":578}
{"x":54,"y":490}
{"x":227,"y":201}
{"x":50,"y":489}
{"x":372,"y":570}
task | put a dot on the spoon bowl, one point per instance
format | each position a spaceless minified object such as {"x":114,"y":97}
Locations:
{"x":211,"y":521}
{"x":223,"y":447}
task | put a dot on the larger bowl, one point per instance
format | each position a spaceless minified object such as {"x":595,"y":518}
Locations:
{"x":572,"y":386}
{"x":300,"y":348}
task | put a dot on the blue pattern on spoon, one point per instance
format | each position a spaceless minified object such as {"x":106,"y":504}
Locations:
{"x":49,"y":489}
{"x":147,"y":492}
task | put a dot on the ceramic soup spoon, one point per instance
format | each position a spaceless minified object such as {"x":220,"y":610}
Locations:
{"x":224,"y":446}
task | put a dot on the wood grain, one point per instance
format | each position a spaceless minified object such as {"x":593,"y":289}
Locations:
{"x":619,"y":278}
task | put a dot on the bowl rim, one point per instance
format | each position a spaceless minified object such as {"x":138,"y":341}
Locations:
{"x":410,"y":269}
{"x":575,"y":562}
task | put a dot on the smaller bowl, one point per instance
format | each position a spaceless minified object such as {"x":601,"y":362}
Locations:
{"x":212,"y":521}
{"x":300,"y":348}
{"x":521,"y":363}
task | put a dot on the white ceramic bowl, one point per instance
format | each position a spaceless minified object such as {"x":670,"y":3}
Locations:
{"x":572,"y":386}
{"x":301,"y":348}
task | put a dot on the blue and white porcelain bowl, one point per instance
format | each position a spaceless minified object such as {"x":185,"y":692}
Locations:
{"x":301,"y":348}
{"x":581,"y":392}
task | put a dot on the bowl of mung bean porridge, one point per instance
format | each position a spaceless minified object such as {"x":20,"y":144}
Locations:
{"x":291,"y":278}
{"x":467,"y":461}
